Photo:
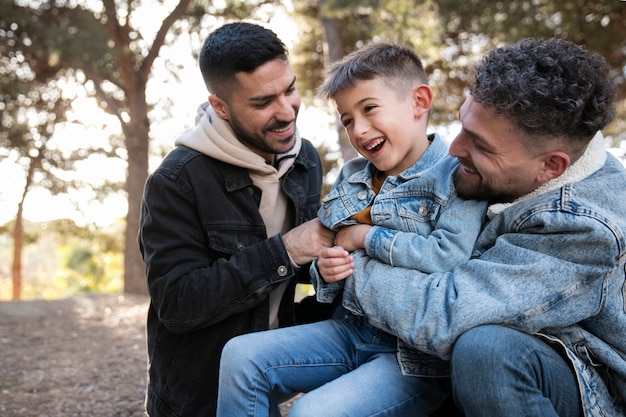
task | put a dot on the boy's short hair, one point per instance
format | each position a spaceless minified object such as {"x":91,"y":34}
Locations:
{"x":398,"y":66}
{"x":237,"y":47}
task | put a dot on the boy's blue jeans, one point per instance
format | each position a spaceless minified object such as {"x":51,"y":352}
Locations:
{"x":349,"y":368}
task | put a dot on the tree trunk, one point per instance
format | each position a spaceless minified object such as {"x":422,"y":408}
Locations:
{"x":137,"y":143}
{"x":18,"y":246}
{"x":18,"y":229}
{"x":136,"y":133}
{"x":134,"y":267}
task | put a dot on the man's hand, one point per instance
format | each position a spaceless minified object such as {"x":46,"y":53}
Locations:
{"x":335,"y":264}
{"x":352,"y":237}
{"x":305,"y":242}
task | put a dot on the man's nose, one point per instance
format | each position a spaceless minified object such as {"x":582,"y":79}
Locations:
{"x":457,"y":147}
{"x":286,"y":108}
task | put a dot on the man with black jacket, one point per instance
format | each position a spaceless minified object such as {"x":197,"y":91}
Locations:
{"x":228,"y":220}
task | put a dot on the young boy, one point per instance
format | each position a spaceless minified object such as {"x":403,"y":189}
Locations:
{"x":398,"y":203}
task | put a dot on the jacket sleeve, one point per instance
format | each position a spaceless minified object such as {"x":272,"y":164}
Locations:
{"x":199,"y":274}
{"x":532,"y":278}
{"x":450,"y":242}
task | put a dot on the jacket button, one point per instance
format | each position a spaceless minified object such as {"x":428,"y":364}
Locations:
{"x":282,"y":271}
{"x":362,"y":195}
{"x":423,"y":211}
{"x":240,"y":246}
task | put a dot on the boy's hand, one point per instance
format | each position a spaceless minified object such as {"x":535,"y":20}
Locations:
{"x":352,"y":237}
{"x":335,"y":264}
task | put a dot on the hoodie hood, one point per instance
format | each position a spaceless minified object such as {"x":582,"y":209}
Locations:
{"x":214,"y":137}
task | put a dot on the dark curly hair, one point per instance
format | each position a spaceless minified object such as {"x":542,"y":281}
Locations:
{"x":237,"y":47}
{"x":549,"y":88}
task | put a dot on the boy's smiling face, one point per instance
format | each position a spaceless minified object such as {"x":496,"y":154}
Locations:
{"x":387,"y":128}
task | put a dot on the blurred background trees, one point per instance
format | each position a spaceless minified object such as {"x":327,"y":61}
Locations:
{"x":112,"y":51}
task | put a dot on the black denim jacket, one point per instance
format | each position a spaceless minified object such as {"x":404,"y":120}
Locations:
{"x":210,"y":267}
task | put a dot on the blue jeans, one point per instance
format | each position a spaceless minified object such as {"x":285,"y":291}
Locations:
{"x":499,"y":371}
{"x":346,"y":367}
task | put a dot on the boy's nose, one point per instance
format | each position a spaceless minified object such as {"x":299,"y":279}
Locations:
{"x":361,"y":127}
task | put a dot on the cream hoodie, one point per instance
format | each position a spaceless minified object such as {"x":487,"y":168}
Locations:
{"x":214,"y":137}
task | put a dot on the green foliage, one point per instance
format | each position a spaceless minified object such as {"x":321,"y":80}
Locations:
{"x":450,"y":35}
{"x":71,"y":37}
{"x":307,"y":56}
{"x":61,"y":259}
{"x":347,"y":7}
{"x":83,"y":270}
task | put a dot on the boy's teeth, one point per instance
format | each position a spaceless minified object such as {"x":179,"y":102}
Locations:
{"x":373,"y":145}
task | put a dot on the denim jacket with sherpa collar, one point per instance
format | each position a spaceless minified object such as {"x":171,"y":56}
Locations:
{"x":552,"y":264}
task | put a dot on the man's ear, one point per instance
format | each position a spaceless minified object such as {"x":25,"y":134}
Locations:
{"x":220,"y":107}
{"x":554,"y":165}
{"x":422,"y":99}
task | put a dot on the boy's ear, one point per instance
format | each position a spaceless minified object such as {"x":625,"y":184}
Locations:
{"x":554,"y":165}
{"x":422,"y":99}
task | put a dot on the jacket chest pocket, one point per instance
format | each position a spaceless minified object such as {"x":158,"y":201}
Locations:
{"x":416,"y":212}
{"x":231,"y":238}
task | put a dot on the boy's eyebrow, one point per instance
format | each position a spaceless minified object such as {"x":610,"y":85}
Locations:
{"x":358,"y":103}
{"x":271,"y":96}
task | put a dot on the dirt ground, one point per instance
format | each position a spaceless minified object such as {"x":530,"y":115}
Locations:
{"x":81,"y":356}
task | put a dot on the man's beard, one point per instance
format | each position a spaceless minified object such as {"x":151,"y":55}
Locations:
{"x":479,"y":191}
{"x":465,"y":190}
{"x":260,"y":143}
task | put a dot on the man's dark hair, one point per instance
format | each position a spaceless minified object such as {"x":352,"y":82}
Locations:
{"x":549,"y":88}
{"x":399,"y":67}
{"x":237,"y":47}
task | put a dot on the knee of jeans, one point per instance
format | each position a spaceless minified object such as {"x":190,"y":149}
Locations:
{"x":233,"y":352}
{"x":479,"y":348}
{"x":303,"y":407}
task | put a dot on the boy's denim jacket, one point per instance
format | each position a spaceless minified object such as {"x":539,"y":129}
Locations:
{"x":552,"y":265}
{"x":419,"y":221}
